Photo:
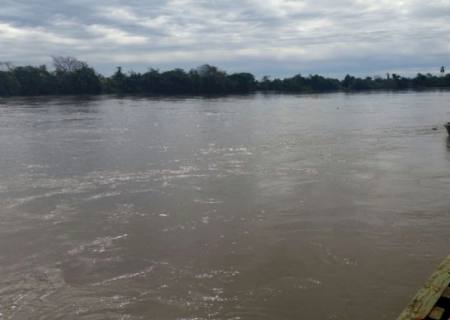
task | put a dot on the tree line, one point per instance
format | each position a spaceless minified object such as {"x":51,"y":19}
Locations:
{"x":73,"y":77}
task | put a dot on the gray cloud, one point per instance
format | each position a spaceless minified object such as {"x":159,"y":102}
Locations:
{"x":277,"y":37}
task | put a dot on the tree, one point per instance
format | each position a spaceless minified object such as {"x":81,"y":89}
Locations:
{"x":72,"y":76}
{"x":9,"y":86}
{"x":75,"y":77}
{"x":151,"y":81}
{"x":34,"y":80}
{"x":6,"y":66}
{"x":118,"y":81}
{"x":67,"y":64}
{"x":348,"y":81}
{"x":241,"y":82}
{"x":175,"y":81}
{"x":85,"y":81}
{"x":209,"y":79}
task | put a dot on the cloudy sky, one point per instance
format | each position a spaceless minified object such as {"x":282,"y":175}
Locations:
{"x":273,"y":37}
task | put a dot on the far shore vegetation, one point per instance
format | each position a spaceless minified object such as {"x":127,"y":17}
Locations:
{"x":70,"y":76}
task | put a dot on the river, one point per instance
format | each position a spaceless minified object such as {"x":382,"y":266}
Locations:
{"x":328,"y":206}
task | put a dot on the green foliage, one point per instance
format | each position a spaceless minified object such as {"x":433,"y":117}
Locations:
{"x":80,"y":81}
{"x":33,"y":80}
{"x":74,"y":77}
{"x":209,"y":80}
{"x":9,"y":86}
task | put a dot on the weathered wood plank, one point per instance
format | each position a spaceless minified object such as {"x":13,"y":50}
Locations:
{"x":425,"y":300}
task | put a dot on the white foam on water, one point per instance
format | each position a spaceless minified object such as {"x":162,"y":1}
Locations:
{"x":204,"y":276}
{"x":60,"y":213}
{"x":231,"y":151}
{"x":217,"y":273}
{"x":104,"y":195}
{"x":37,"y":166}
{"x":364,"y":175}
{"x":205,"y":220}
{"x":215,"y":298}
{"x":99,"y":245}
{"x":208,"y":201}
{"x":126,"y":276}
{"x":123,"y":213}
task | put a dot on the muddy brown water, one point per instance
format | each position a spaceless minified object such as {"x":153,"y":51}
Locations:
{"x":332,"y":206}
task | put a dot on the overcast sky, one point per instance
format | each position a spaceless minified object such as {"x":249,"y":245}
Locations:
{"x":273,"y":37}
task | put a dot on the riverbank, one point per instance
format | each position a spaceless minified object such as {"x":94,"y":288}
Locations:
{"x":78,"y":78}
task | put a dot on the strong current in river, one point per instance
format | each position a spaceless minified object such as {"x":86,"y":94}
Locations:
{"x":279,"y":207}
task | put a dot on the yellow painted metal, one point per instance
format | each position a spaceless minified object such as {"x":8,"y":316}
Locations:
{"x":423,"y":303}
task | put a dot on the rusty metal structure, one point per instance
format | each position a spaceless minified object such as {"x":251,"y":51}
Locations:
{"x":432,"y":302}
